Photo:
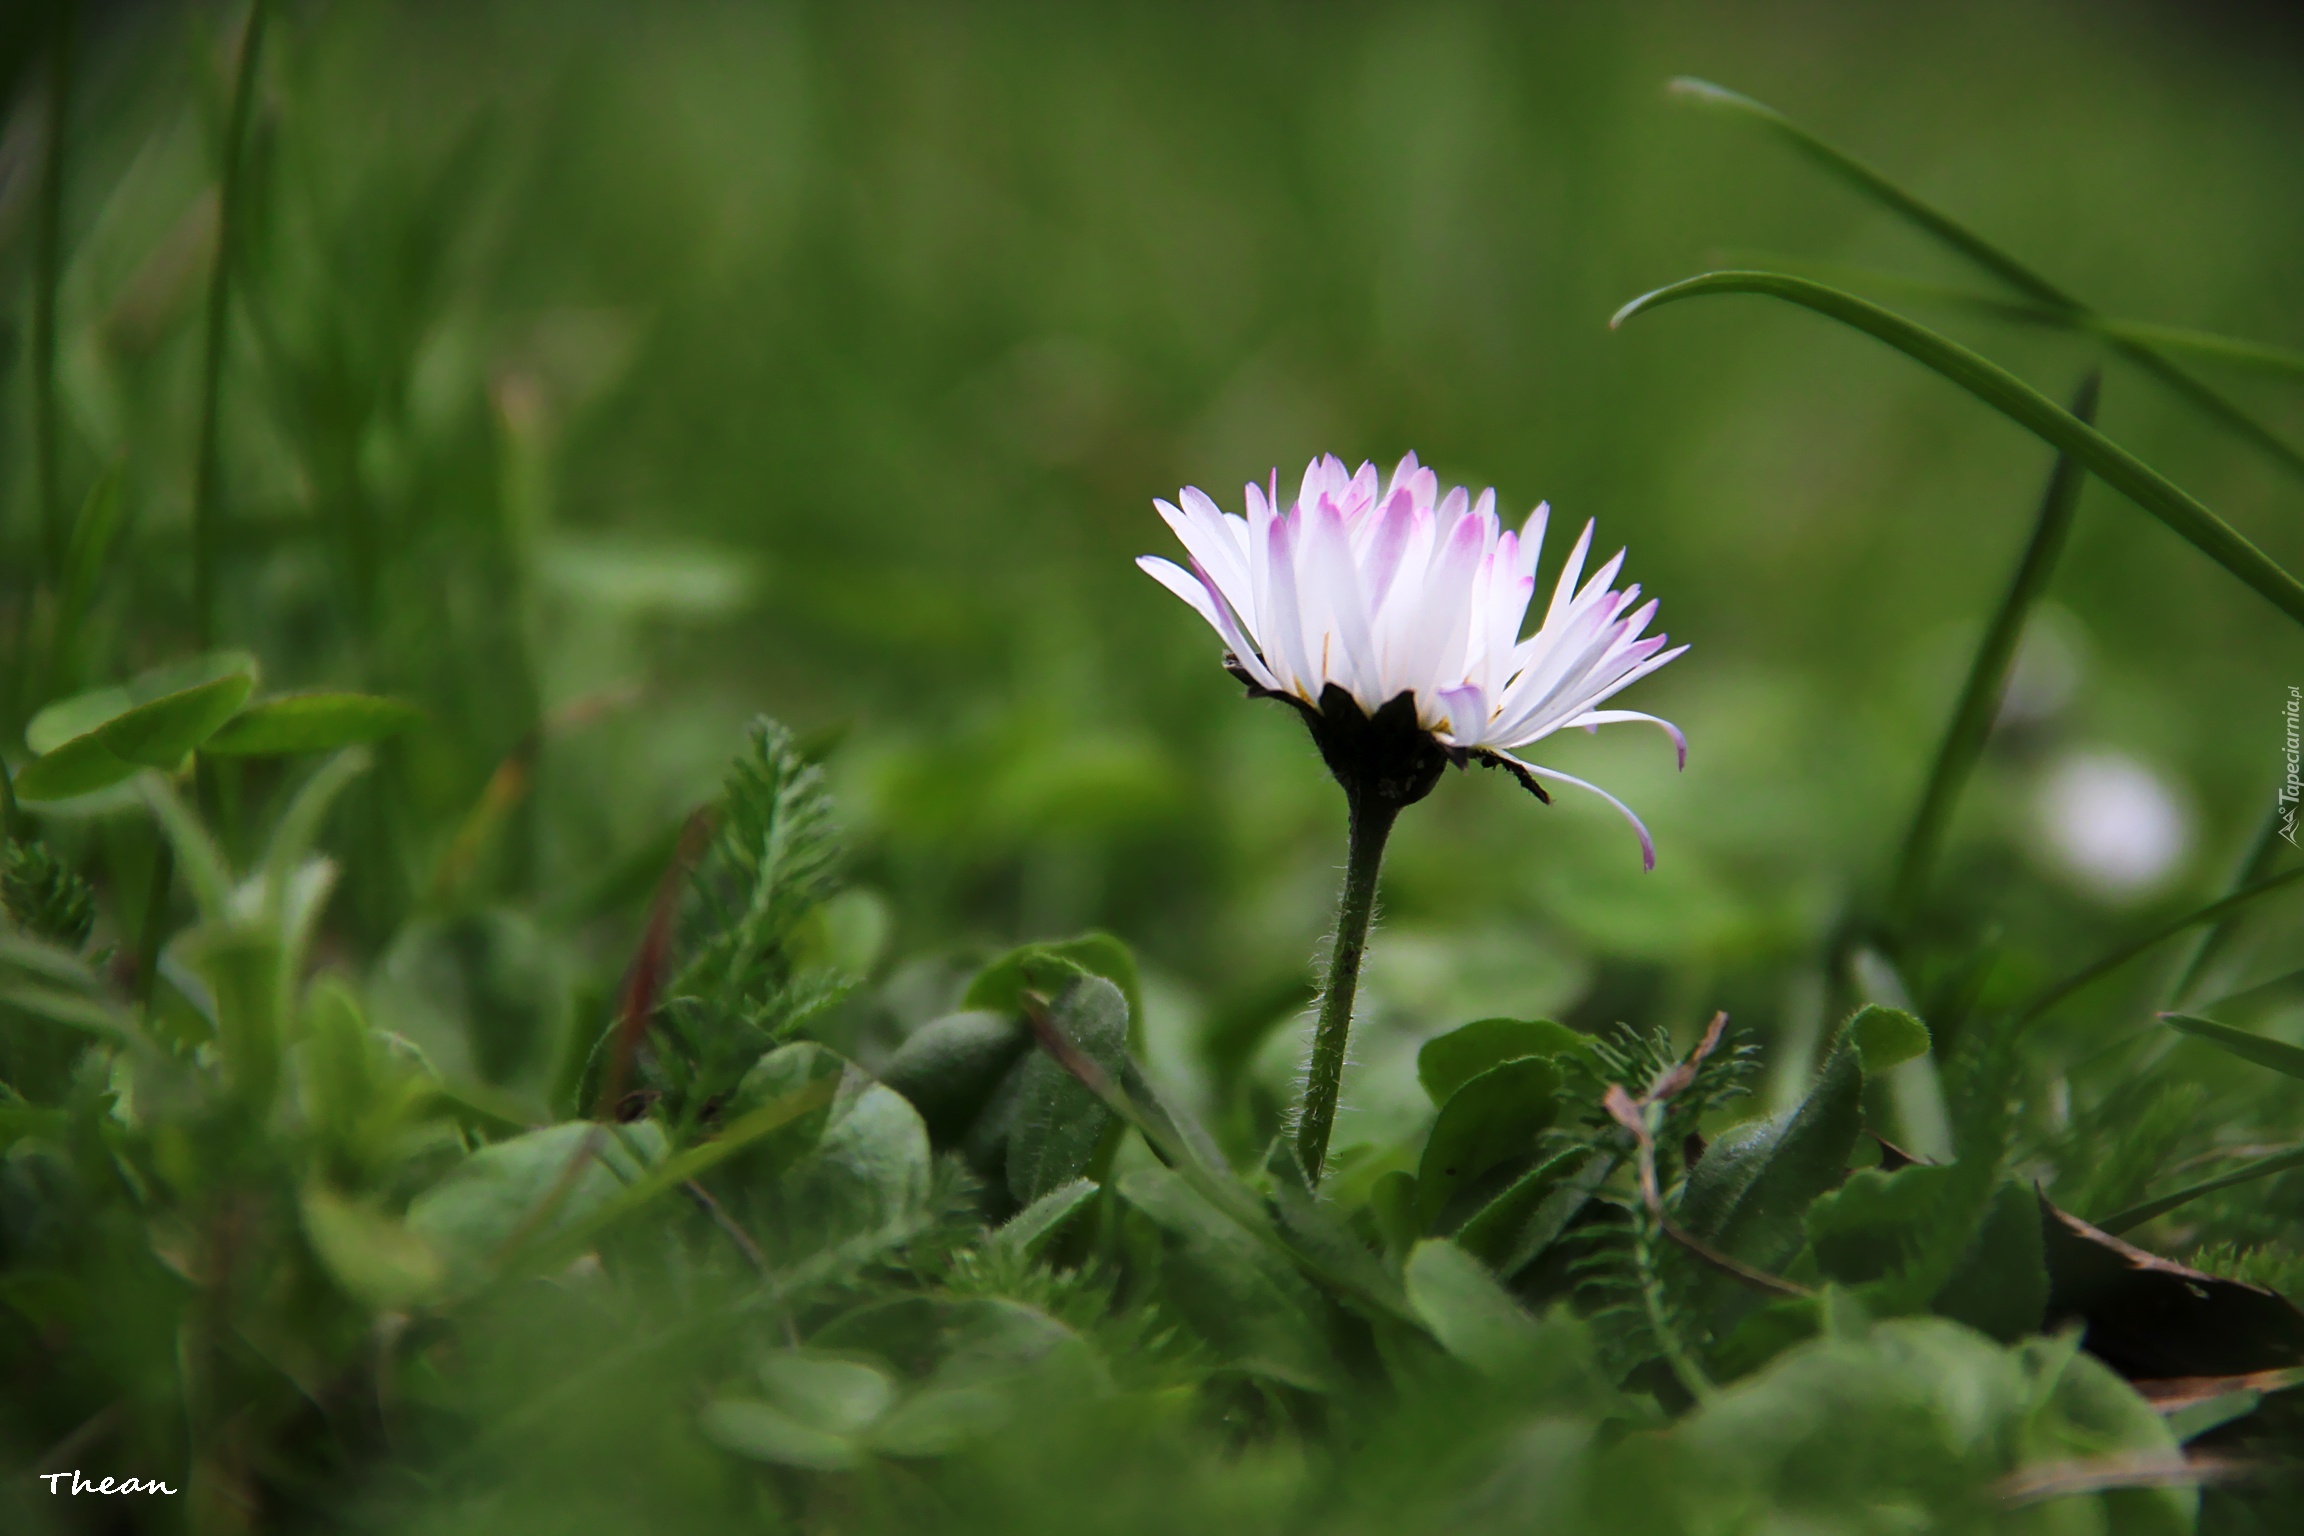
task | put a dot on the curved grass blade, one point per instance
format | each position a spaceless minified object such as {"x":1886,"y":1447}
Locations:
{"x":2260,"y":1168}
{"x":2021,"y":403}
{"x":230,"y":189}
{"x":2112,"y":961}
{"x":1849,"y":170}
{"x":1988,"y":673}
{"x":2209,"y":346}
{"x":2280,"y":1056}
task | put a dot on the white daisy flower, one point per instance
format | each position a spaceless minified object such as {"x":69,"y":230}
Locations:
{"x":1402,"y":609}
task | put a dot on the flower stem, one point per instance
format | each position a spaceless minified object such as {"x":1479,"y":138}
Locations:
{"x":1371,"y":824}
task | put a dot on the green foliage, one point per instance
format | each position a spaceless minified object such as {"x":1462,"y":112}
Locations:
{"x":377,"y":1155}
{"x":46,"y":896}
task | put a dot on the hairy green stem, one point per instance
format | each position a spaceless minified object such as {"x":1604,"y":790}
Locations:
{"x":228,"y":191}
{"x":1988,"y":673}
{"x":1371,"y":824}
{"x":48,"y":265}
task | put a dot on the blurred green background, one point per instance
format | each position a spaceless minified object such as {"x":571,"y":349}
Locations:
{"x":600,"y":375}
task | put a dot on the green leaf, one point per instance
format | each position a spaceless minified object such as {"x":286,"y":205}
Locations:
{"x":310,"y":722}
{"x":1317,"y":1231}
{"x":2000,"y":1287}
{"x":542,"y":1182}
{"x":1495,"y":1117}
{"x":2278,"y":1055}
{"x":1749,"y":1192}
{"x":786,"y":1073}
{"x":950,"y":1067}
{"x":1493,"y":1234}
{"x":78,"y":767}
{"x":939,"y":1420}
{"x":243,"y":966}
{"x":160,"y":734}
{"x":2021,"y":403}
{"x":1472,"y":1316}
{"x":1251,"y":1306}
{"x":1936,"y":1237}
{"x":1886,"y":1038}
{"x":1000,"y":985}
{"x":1447,"y":1062}
{"x":1029,"y":1230}
{"x":1060,"y":1124}
{"x":765,"y":1433}
{"x":75,"y":1010}
{"x":827,"y":1392}
{"x":371,"y":1254}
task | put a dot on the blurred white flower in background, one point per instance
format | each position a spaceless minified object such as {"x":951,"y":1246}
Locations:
{"x":2111,"y":825}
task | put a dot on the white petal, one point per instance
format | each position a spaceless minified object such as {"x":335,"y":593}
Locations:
{"x":1599,"y":717}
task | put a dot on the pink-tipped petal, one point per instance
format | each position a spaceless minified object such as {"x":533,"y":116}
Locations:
{"x":1647,"y":843}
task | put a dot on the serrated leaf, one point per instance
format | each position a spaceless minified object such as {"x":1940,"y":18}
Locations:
{"x":1886,"y":1038}
{"x":1447,"y":1062}
{"x":1494,"y":1117}
{"x":1060,"y":1124}
{"x":310,"y":722}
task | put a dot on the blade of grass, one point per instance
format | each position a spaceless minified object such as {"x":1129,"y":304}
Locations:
{"x":1988,"y":674}
{"x":2279,"y":1055}
{"x":2211,"y":346}
{"x":2114,"y":959}
{"x":205,"y":472}
{"x":1854,"y":173}
{"x":2261,"y":1168}
{"x":48,"y":278}
{"x":2021,"y":403}
{"x":2261,"y":856}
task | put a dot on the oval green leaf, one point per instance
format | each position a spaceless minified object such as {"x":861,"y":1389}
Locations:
{"x":1495,"y":1117}
{"x":80,"y":766}
{"x":1447,"y":1062}
{"x":310,"y":722}
{"x":160,"y":734}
